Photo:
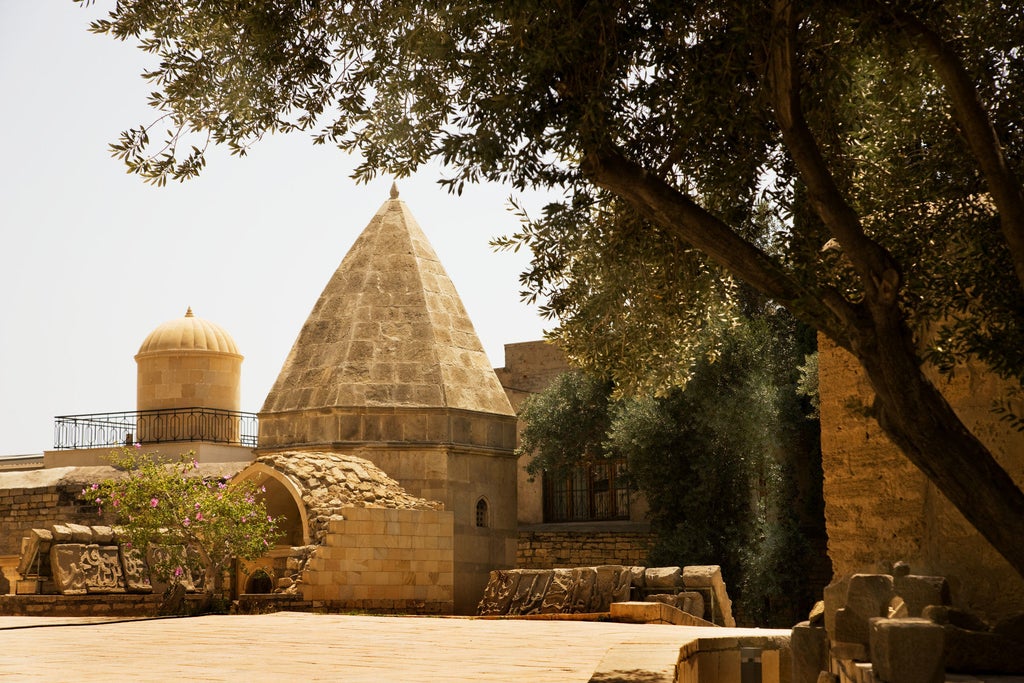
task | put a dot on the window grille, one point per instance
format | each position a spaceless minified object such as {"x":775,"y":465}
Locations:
{"x":595,"y":492}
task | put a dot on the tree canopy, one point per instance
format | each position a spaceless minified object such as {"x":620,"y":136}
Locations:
{"x":882,"y":139}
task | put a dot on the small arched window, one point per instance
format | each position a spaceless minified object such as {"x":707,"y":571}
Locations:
{"x":481,"y":513}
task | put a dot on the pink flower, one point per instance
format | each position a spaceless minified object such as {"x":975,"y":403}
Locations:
{"x":197,"y":506}
{"x":177,"y":571}
{"x":115,"y":502}
{"x":269,"y":518}
{"x":186,"y":521}
{"x":138,"y":445}
{"x":153,"y":502}
{"x":95,"y":486}
{"x":199,"y":516}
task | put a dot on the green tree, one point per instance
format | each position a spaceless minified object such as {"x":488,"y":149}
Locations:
{"x":730,"y":466}
{"x":884,"y":138}
{"x":197,"y":525}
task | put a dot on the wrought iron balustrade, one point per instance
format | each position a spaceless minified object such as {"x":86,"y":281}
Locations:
{"x":98,"y":430}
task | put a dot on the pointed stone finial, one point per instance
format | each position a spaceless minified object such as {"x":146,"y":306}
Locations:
{"x":394,"y":190}
{"x":188,"y":313}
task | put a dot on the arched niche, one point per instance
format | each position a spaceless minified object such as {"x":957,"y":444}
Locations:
{"x":283,"y":499}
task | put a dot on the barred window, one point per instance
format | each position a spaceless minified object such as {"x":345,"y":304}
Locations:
{"x":481,"y":513}
{"x":595,"y":492}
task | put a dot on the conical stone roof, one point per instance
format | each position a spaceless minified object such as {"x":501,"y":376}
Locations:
{"x":389,"y":330}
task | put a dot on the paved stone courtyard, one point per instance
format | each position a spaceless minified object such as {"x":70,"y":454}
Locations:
{"x":295,"y":646}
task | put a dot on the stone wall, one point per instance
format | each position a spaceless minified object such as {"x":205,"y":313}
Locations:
{"x":111,"y":605}
{"x":880,"y":509}
{"x":582,"y":548}
{"x":384,"y":560}
{"x":23,"y":509}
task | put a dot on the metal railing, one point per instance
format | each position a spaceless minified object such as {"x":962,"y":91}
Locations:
{"x":98,"y":430}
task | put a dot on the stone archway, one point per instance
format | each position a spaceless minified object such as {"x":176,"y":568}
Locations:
{"x":283,"y":499}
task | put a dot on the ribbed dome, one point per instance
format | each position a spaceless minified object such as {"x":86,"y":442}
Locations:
{"x":189,"y":334}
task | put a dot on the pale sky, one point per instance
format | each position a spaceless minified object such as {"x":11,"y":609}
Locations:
{"x":92,"y":259}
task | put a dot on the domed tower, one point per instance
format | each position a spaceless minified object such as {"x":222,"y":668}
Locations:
{"x":189,"y":382}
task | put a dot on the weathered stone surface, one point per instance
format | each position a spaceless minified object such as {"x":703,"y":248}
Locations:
{"x":136,"y":571}
{"x":691,"y":602}
{"x":79,"y":568}
{"x":809,"y":651}
{"x":710,"y":577}
{"x":530,"y":591}
{"x":330,"y":482}
{"x":558,"y":598}
{"x":35,"y":549}
{"x":907,"y":650}
{"x":868,"y":596}
{"x":81,"y":533}
{"x":637,"y":576}
{"x":584,"y":579}
{"x":816,"y":617}
{"x":943,"y":615}
{"x":501,"y":586}
{"x":612,"y":585}
{"x":920,"y":591}
{"x":834,"y":599}
{"x":103,"y":535}
{"x":61,"y":533}
{"x":978,"y":652}
{"x":663,"y":577}
{"x":898,"y":609}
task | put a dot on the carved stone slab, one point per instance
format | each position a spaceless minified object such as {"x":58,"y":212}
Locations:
{"x":498,"y":595}
{"x":35,"y":547}
{"x":136,"y":571}
{"x":559,"y":592}
{"x":79,"y":568}
{"x":529,"y":595}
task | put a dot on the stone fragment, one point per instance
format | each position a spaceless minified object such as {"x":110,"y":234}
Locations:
{"x":664,"y":598}
{"x":104,"y":535}
{"x":816,"y":617}
{"x":710,"y":577}
{"x":663,"y":577}
{"x":976,"y":651}
{"x":868,"y":596}
{"x":943,"y":615}
{"x":637,"y":575}
{"x":691,"y":602}
{"x":501,"y":586}
{"x":61,"y":533}
{"x":612,"y":585}
{"x":81,"y":533}
{"x":584,"y":579}
{"x":907,"y":650}
{"x":809,"y":652}
{"x":900,"y":569}
{"x":67,"y":568}
{"x":79,"y":568}
{"x":835,"y":599}
{"x":530,"y":591}
{"x":557,"y":599}
{"x":35,"y":552}
{"x":898,"y":609}
{"x":920,"y":591}
{"x":285,"y":582}
{"x":136,"y":571}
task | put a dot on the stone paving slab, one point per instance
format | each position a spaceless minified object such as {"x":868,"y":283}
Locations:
{"x":316,"y":647}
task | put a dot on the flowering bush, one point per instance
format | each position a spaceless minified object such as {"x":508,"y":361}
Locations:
{"x":198,"y":524}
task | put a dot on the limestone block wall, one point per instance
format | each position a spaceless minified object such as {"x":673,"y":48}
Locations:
{"x":879,"y":508}
{"x":460,"y":478}
{"x":384,"y":560}
{"x":551,"y":549}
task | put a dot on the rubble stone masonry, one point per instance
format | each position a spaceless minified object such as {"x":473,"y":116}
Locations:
{"x":551,"y":549}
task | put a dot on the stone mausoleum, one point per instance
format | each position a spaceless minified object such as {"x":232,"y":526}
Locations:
{"x":386,"y":444}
